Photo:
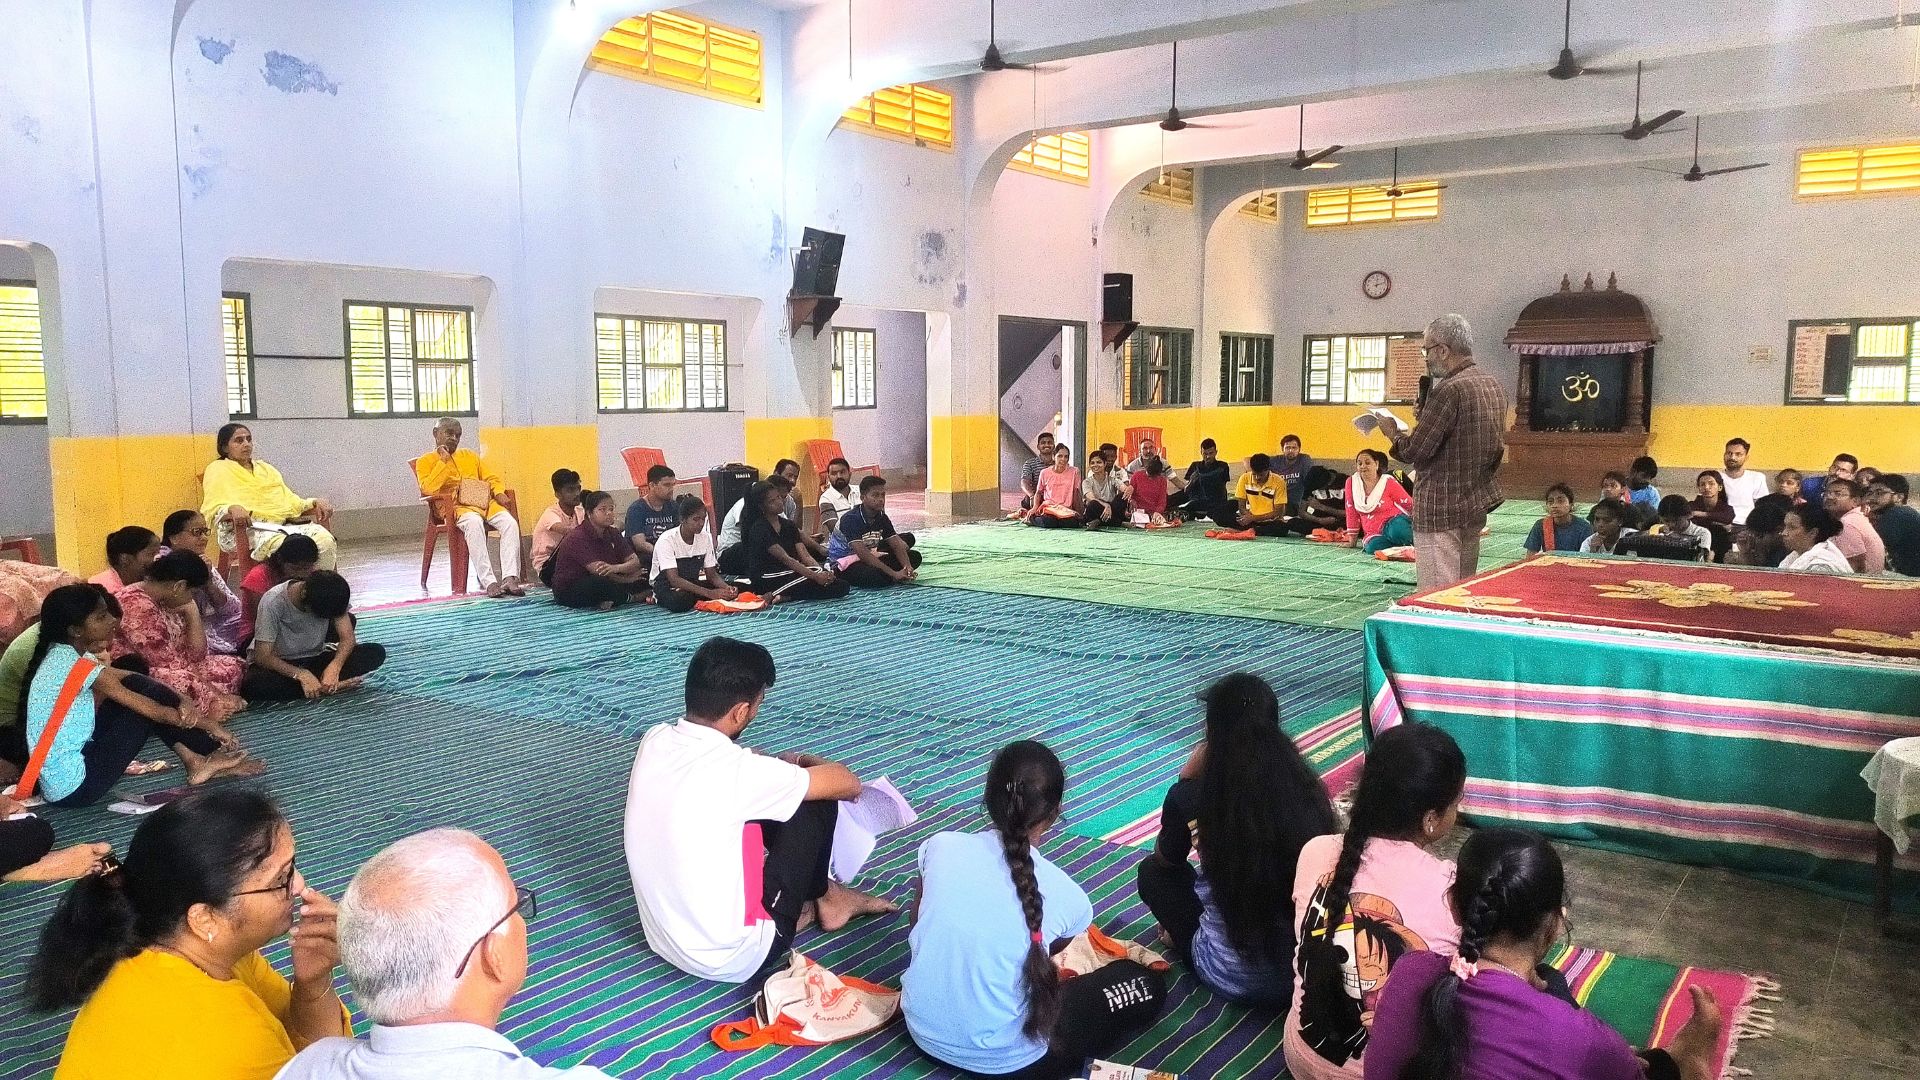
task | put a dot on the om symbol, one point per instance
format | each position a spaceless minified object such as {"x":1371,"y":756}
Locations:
{"x":1581,"y":387}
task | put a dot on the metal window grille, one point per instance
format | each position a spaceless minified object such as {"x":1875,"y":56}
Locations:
{"x":853,"y":369}
{"x":660,"y":365}
{"x":404,"y":360}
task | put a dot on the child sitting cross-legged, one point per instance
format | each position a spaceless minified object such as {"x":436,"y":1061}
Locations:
{"x":713,"y":828}
{"x":1106,"y":492}
{"x":1559,"y":530}
{"x":1609,"y":518}
{"x":981,"y":992}
{"x":685,"y":569}
{"x":305,"y":645}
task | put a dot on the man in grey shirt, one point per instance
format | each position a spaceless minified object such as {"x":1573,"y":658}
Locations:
{"x":291,"y":658}
{"x":433,"y":936}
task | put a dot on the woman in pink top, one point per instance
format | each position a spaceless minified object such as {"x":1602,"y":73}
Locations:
{"x":1056,"y":496}
{"x":1379,"y":510}
{"x":161,"y":624}
{"x":1372,"y":896}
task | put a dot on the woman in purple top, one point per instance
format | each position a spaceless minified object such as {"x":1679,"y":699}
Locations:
{"x":1494,"y":1011}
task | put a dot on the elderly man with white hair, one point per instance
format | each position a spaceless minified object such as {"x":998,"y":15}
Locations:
{"x":1454,"y":449}
{"x":433,"y":936}
{"x":442,"y":473}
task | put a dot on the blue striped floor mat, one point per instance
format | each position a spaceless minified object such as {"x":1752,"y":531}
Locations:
{"x":519,"y":720}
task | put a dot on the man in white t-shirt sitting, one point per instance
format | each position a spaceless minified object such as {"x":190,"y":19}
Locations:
{"x":838,"y":496}
{"x":1742,"y":486}
{"x":728,"y":849}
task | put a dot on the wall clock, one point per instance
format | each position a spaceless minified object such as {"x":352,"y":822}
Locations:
{"x":1376,"y":285}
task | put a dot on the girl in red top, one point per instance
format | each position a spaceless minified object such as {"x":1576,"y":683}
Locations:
{"x":1379,"y":510}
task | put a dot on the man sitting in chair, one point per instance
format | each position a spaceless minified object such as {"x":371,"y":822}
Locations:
{"x":442,"y":473}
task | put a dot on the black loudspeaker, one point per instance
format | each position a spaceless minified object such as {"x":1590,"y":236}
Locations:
{"x":816,"y":266}
{"x":730,"y":484}
{"x":1836,"y":379}
{"x":1116,"y":298}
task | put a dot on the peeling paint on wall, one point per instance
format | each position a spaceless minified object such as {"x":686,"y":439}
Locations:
{"x":199,"y":179}
{"x":959,"y":294}
{"x":216,"y":50}
{"x":28,"y":128}
{"x":934,"y":257}
{"x":777,"y":250}
{"x":291,"y":75}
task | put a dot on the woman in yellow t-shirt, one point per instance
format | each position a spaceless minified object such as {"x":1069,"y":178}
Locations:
{"x":163,"y":954}
{"x":249,"y":502}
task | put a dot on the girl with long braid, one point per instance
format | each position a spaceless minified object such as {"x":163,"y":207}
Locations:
{"x":1367,"y":898}
{"x":1492,"y":1011}
{"x":981,"y":992}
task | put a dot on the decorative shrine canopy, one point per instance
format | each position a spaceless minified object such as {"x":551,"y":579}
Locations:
{"x":1586,"y":322}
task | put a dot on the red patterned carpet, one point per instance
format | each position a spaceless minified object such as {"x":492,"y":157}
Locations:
{"x":1879,"y":616}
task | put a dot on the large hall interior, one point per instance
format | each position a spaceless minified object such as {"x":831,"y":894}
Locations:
{"x":1480,"y":429}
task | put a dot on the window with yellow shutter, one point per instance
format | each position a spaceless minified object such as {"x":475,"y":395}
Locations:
{"x":1263,"y":206}
{"x":672,"y":48}
{"x":236,"y":342}
{"x":23,"y":365}
{"x":1172,"y":185}
{"x":1372,"y":205}
{"x":912,"y":112}
{"x":1067,"y":156}
{"x":1862,"y":170}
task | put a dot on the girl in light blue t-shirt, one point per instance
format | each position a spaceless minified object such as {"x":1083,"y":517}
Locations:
{"x":981,"y":992}
{"x":105,"y":715}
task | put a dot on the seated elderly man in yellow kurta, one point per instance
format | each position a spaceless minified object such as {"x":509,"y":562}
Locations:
{"x":249,"y":503}
{"x":441,"y":473}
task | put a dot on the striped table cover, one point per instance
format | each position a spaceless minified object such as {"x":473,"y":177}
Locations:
{"x":1687,"y":750}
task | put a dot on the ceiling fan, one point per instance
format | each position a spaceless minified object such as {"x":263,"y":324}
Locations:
{"x":991,"y":60}
{"x":1568,"y":67}
{"x":1395,"y":191}
{"x":1696,"y":173}
{"x":1317,"y":159}
{"x":1643,"y":128}
{"x":1173,"y":121}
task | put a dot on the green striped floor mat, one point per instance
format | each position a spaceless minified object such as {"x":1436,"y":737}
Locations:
{"x":1285,"y":580}
{"x":519,"y":720}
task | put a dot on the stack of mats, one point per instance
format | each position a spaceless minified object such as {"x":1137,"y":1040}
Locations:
{"x":1284,"y":580}
{"x":519,"y":720}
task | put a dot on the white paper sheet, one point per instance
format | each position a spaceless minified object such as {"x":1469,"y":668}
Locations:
{"x":879,"y":810}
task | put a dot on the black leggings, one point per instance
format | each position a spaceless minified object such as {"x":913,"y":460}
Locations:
{"x":1167,"y":888}
{"x":806,"y":589}
{"x":733,"y":561}
{"x":871,"y":577}
{"x":1099,"y":513}
{"x":1099,"y":1012}
{"x":23,"y":843}
{"x":668,"y":598}
{"x":118,"y":735}
{"x":1048,"y":521}
{"x":546,"y":572}
{"x":264,"y":685}
{"x":590,"y":591}
{"x":795,"y":873}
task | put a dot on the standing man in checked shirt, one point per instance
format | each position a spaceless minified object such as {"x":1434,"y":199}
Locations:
{"x":1454,"y":450}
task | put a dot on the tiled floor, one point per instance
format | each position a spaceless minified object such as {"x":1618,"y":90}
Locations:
{"x":1850,"y":996}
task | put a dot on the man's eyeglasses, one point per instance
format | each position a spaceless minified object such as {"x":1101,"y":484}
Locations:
{"x":285,"y":887}
{"x":523,"y":903}
{"x":1425,"y":348}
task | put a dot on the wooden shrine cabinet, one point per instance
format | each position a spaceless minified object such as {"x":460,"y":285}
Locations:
{"x":1586,"y":389}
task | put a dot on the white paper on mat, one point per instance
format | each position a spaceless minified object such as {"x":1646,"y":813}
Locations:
{"x":128,"y":806}
{"x":879,"y":810}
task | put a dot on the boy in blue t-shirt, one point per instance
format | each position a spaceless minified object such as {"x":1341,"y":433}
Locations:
{"x":1644,"y":497}
{"x":864,"y":547}
{"x":652,"y":513}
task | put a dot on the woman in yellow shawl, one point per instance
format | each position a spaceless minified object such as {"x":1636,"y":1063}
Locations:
{"x":247,"y":498}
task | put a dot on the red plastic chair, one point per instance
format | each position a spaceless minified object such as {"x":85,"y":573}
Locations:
{"x":822,"y":451}
{"x":1130,"y":447}
{"x":25,"y":546}
{"x":442,"y":512}
{"x":641,"y":459}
